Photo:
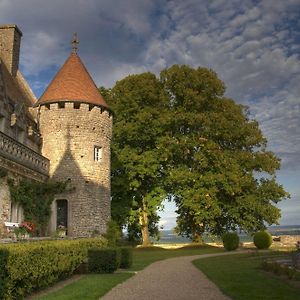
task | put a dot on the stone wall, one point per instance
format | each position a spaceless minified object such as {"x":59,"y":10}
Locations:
{"x":4,"y":206}
{"x":70,"y":134}
{"x":22,"y":155}
{"x":10,"y":37}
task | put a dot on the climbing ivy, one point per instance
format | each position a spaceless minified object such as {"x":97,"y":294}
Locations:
{"x":3,"y":173}
{"x":36,"y":199}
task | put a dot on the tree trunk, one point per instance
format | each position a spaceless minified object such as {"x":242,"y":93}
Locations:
{"x":197,"y":238}
{"x":144,"y":222}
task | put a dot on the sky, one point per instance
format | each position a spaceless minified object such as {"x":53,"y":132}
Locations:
{"x":253,"y":45}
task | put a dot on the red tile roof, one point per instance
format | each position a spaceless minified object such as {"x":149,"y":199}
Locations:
{"x":72,"y":83}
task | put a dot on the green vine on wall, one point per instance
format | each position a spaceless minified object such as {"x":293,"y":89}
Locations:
{"x":3,"y":173}
{"x":36,"y":199}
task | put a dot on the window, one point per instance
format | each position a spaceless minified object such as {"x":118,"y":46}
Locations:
{"x":97,"y":153}
{"x":76,"y":105}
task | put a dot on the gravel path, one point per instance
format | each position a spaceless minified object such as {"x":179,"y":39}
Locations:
{"x":173,"y":278}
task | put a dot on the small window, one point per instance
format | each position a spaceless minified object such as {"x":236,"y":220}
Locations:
{"x":97,"y":153}
{"x":61,"y":104}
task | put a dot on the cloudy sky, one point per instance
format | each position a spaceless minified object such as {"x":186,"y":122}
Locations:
{"x":253,"y":45}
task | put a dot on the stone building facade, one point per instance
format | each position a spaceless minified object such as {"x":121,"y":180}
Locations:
{"x":63,"y":136}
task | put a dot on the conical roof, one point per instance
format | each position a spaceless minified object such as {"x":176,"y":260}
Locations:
{"x":72,"y":83}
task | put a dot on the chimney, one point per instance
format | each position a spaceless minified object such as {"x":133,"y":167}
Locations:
{"x":10,"y":40}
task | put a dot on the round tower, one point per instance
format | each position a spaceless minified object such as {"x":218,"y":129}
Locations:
{"x":76,"y":127}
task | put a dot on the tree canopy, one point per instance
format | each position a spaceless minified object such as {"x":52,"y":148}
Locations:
{"x":137,"y":172}
{"x":221,"y":174}
{"x":179,"y":136}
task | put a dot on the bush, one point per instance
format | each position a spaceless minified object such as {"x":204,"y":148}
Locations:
{"x":262,"y":240}
{"x":28,"y":267}
{"x":230,"y":241}
{"x":126,"y":258}
{"x":281,"y":269}
{"x":104,"y":260}
{"x":113,"y":233}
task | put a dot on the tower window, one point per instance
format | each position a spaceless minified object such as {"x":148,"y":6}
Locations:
{"x":76,"y":105}
{"x":97,"y":153}
{"x":61,"y":104}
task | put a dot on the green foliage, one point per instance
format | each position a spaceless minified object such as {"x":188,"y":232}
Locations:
{"x":20,"y":232}
{"x":36,"y":199}
{"x":280,"y":269}
{"x":126,"y":258}
{"x":104,"y":260}
{"x":216,"y":154}
{"x":262,"y":240}
{"x":26,"y":267}
{"x":113,"y":233}
{"x":3,"y":173}
{"x":230,"y":240}
{"x":137,"y":173}
{"x":4,"y":255}
{"x":179,"y":137}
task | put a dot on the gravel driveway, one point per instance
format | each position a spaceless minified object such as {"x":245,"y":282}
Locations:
{"x":174,"y":279}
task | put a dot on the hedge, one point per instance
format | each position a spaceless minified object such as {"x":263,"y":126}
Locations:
{"x":26,"y":267}
{"x":104,"y":260}
{"x":126,"y":258}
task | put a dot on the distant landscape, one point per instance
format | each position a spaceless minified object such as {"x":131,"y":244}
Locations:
{"x":169,"y":237}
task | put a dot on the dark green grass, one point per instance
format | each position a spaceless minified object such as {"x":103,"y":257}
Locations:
{"x":142,"y":257}
{"x":89,"y":287}
{"x":240,"y":277}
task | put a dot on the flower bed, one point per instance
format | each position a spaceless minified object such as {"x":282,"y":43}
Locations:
{"x":282,"y":267}
{"x":26,"y":267}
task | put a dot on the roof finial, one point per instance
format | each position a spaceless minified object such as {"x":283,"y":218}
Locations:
{"x":75,"y":43}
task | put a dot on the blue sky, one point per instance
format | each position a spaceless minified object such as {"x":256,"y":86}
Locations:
{"x":252,"y":45}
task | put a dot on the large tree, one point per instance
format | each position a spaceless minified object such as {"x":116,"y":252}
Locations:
{"x":179,"y":136}
{"x":137,"y":165}
{"x":221,"y":175}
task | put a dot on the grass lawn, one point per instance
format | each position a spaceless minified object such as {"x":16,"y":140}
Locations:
{"x":94,"y":286}
{"x":142,"y":257}
{"x":90,"y":287}
{"x":240,"y":277}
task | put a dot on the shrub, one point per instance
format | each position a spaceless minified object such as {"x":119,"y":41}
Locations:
{"x":126,"y":258}
{"x":230,"y":241}
{"x":281,"y":269}
{"x":26,"y":267}
{"x":103,"y":260}
{"x":113,"y":233}
{"x":262,"y":240}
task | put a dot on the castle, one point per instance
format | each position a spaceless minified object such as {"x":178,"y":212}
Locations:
{"x":64,"y":136}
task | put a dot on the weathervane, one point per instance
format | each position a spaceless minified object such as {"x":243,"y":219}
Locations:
{"x":75,"y":43}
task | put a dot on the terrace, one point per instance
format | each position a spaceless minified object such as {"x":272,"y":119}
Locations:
{"x":19,"y":153}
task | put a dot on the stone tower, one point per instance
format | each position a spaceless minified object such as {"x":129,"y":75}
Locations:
{"x":76,"y":125}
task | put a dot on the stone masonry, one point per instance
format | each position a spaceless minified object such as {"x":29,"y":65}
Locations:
{"x":70,"y":135}
{"x":10,"y":37}
{"x":64,"y":136}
